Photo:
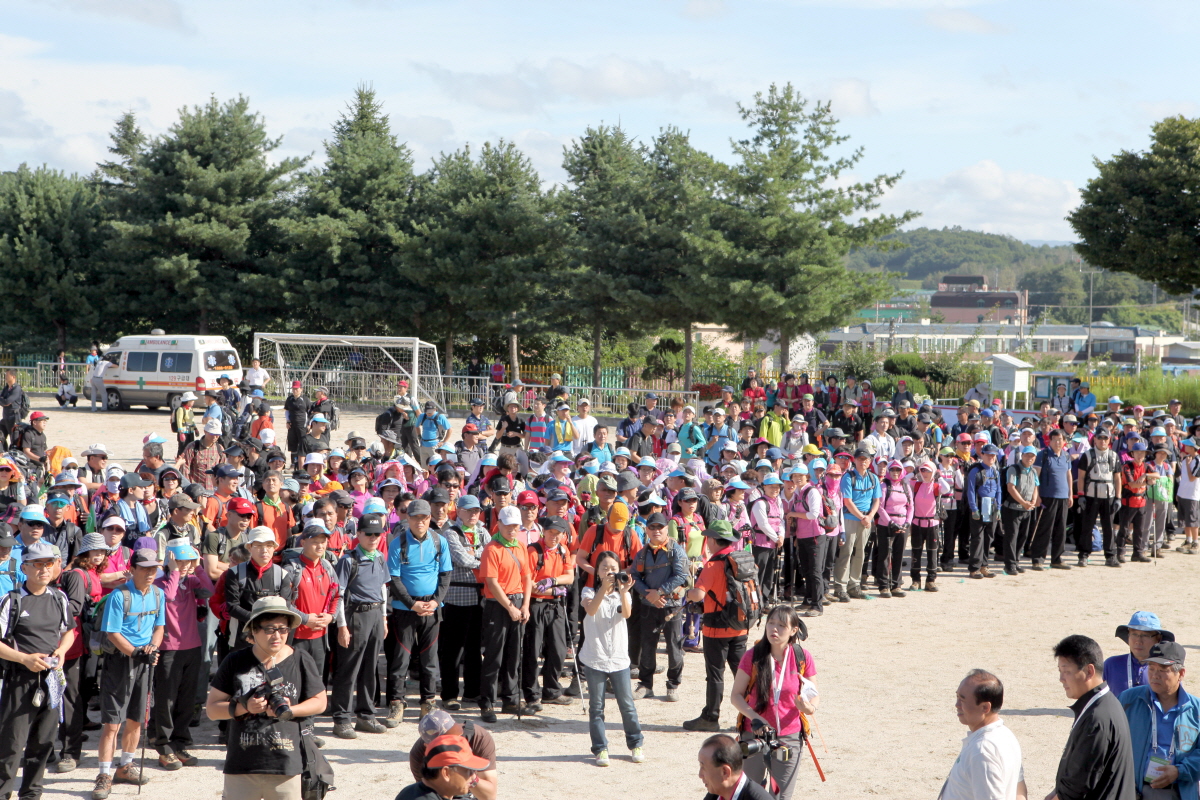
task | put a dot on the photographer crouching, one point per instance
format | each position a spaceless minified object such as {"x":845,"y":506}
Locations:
{"x":266,"y":690}
{"x":721,"y":771}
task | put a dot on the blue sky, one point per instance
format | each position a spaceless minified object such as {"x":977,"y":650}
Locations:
{"x":993,"y":110}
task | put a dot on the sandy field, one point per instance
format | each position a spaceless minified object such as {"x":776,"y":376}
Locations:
{"x":887,"y":671}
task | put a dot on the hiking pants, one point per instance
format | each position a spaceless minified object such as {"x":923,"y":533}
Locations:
{"x":924,"y":539}
{"x":889,"y":555}
{"x":1016,"y":524}
{"x":848,"y":567}
{"x":1095,"y":509}
{"x":1051,"y":532}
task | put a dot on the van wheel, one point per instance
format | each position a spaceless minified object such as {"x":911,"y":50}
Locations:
{"x":114,"y":400}
{"x":173,"y":402}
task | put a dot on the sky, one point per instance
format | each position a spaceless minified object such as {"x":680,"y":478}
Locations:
{"x":994,"y":111}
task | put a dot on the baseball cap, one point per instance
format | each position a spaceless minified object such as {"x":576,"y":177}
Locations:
{"x":528,"y":498}
{"x":721,"y":529}
{"x":318,"y":418}
{"x":213,"y":427}
{"x":181,"y":500}
{"x":470,"y":427}
{"x":1025,"y":451}
{"x":145,"y":557}
{"x":421,"y":508}
{"x":240,"y":506}
{"x":437,"y":495}
{"x":374,"y":524}
{"x":509,"y":515}
{"x":618,"y":516}
{"x":314,"y":527}
{"x":656,"y":520}
{"x":182,"y":550}
{"x":38,"y":415}
{"x":554,"y":523}
{"x":1168,"y":654}
{"x":499,"y":485}
{"x":453,"y":751}
{"x":434,"y":724}
{"x":606,"y":480}
{"x":41,"y":549}
{"x":991,"y":450}
{"x":261,"y":533}
{"x":34,"y":513}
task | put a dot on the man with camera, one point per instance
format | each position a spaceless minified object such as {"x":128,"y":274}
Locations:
{"x":36,"y":630}
{"x":135,"y":619}
{"x":659,"y":570}
{"x":266,"y":690}
{"x":721,"y":771}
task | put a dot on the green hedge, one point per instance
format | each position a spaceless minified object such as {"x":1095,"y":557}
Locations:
{"x":901,"y":364}
{"x":884,"y":387}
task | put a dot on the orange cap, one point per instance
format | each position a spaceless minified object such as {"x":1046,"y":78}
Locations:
{"x":618,"y":516}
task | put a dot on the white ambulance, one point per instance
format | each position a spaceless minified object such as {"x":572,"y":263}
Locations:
{"x":155,"y":370}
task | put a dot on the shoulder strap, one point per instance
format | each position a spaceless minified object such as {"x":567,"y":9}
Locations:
{"x":14,"y":612}
{"x":541,"y":551}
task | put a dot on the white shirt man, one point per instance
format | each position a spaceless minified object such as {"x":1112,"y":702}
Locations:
{"x":989,"y":765}
{"x":256,"y":375}
{"x":585,"y":423}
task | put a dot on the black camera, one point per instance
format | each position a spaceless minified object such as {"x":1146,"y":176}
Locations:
{"x":272,"y":690}
{"x":766,"y":741}
{"x":622,"y":577}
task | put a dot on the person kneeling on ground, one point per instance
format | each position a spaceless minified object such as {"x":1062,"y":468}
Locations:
{"x":450,"y":770}
{"x":439,"y":723}
{"x":263,"y":759}
{"x":721,"y":771}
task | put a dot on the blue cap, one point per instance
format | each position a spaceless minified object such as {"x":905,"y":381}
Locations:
{"x":818,"y":463}
{"x":318,"y":418}
{"x":762,"y":462}
{"x":1158,"y":432}
{"x":1029,"y":450}
{"x":1190,"y":442}
{"x":375,"y":506}
{"x":799,"y":469}
{"x":774,"y":453}
{"x":677,"y":474}
{"x":257,"y":393}
{"x":434,"y":460}
{"x":591,"y":468}
{"x":651,"y":396}
{"x":182,"y":550}
{"x":1139,"y":446}
{"x":34,"y":513}
{"x":467,"y":501}
{"x":154,"y":438}
{"x":622,"y":451}
{"x":337,"y":453}
{"x":991,"y":450}
{"x":738,"y":484}
{"x":771,"y":480}
{"x":562,"y":457}
{"x":489,"y":460}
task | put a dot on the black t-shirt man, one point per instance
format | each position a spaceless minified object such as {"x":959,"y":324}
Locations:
{"x":258,"y":744}
{"x":511,"y":431}
{"x":39,"y":625}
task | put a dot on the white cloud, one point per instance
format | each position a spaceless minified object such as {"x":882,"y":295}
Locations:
{"x":156,"y":13}
{"x":703,"y":9}
{"x":15,"y":120}
{"x":958,"y":20}
{"x":849,"y":97}
{"x":529,"y":88}
{"x":986,"y":197}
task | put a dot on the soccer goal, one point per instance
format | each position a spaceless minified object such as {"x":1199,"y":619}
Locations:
{"x":361,"y":370}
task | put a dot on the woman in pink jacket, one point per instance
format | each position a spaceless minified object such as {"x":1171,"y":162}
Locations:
{"x":895,"y":517}
{"x":927,"y":491}
{"x":804,"y":510}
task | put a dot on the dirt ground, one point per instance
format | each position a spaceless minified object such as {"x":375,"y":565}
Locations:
{"x":887,"y":672}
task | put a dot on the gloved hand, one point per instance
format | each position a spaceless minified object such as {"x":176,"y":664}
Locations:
{"x":560,"y":591}
{"x":544,"y":586}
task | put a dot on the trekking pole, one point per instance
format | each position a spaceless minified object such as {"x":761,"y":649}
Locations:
{"x":146,"y":723}
{"x":520,"y":666}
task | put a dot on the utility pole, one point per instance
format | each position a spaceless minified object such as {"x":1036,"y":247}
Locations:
{"x":1091,"y":295}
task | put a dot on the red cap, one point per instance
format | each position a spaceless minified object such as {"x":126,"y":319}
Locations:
{"x":402,"y":382}
{"x":528,"y":498}
{"x":470,"y":427}
{"x":37,"y":415}
{"x":453,"y":751}
{"x":296,"y":384}
{"x":241,"y":506}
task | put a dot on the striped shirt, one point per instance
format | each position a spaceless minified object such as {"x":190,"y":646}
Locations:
{"x":539,"y":431}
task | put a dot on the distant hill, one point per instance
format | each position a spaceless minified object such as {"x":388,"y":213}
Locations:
{"x":930,"y":253}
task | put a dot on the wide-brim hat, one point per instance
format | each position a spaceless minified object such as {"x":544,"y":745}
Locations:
{"x":1144,"y":621}
{"x":273,"y":607}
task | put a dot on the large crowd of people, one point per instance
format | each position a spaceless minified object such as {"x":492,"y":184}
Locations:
{"x":260,"y":579}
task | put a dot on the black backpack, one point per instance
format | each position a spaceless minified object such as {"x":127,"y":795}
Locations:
{"x":741,"y":609}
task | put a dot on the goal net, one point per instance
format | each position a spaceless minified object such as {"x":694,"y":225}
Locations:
{"x":360,"y":370}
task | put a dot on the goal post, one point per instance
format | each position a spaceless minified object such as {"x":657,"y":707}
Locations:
{"x":357,"y":370}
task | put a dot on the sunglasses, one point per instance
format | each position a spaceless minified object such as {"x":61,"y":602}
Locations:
{"x":370,"y":535}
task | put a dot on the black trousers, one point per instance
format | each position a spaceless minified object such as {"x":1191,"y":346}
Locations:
{"x":633,"y":627}
{"x":459,"y":650}
{"x":889,"y":555}
{"x":1051,"y":530}
{"x":1135,"y":528}
{"x":70,"y":732}
{"x":793,"y":573}
{"x":545,"y":638}
{"x":719,"y":651}
{"x":315,"y":648}
{"x":1095,"y":509}
{"x":924,"y":540}
{"x":356,"y":666}
{"x":174,"y":699}
{"x":956,"y":529}
{"x":1016,"y":526}
{"x":767,"y":560}
{"x":811,"y":554}
{"x":654,"y":624}
{"x":982,"y":534}
{"x":295,"y":436}
{"x":416,"y":637}
{"x":501,"y":656}
{"x":26,"y":733}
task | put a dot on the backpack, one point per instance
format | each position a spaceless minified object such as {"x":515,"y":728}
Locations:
{"x":826,"y":519}
{"x":88,"y":616}
{"x":541,"y":559}
{"x":741,"y":609}
{"x":242,"y":572}
{"x":98,"y":641}
{"x":23,"y":406}
{"x":798,"y":652}
{"x":335,"y":419}
{"x":241,"y":426}
{"x":887,"y":492}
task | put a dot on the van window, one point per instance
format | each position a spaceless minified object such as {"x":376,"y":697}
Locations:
{"x":142,"y":362}
{"x":177,"y":362}
{"x":221,"y":360}
{"x":113,"y":356}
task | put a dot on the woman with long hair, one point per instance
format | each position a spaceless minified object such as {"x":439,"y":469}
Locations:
{"x":774,"y":686}
{"x":82,"y":584}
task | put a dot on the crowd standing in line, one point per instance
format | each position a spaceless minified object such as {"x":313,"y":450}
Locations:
{"x":246,"y":574}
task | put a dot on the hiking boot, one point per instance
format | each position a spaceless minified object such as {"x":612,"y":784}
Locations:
{"x":931,"y":585}
{"x":344,"y":730}
{"x":396,"y":710}
{"x":672,"y":695}
{"x":642,"y":691}
{"x":130,"y":773}
{"x":574,"y":689}
{"x":857,"y":594}
{"x":511,"y":708}
{"x":169,"y":762}
{"x":1036,"y":565}
{"x":1111,"y":561}
{"x":561,"y":700}
{"x":702,"y":724}
{"x":898,"y":592}
{"x":533,"y":707}
{"x":1140,"y":557}
{"x":428,"y":707}
{"x":987,"y":573}
{"x":1121,"y":556}
{"x":883,"y":593}
{"x":369,"y":725}
{"x":1059,"y":565}
{"x":487,"y":715}
{"x":454,"y":705}
{"x":388,"y":722}
{"x":65,"y":764}
{"x":842,"y":597}
{"x":102,"y":788}
{"x":813,"y":612}
{"x":319,"y":742}
{"x":975,"y":575}
{"x":1082,"y":561}
{"x":189,"y":760}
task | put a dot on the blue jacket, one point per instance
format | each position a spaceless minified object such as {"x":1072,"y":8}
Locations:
{"x":983,"y":482}
{"x":1138,"y":703}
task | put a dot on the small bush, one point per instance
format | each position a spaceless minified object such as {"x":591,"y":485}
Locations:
{"x":905,"y":364}
{"x":885,"y":387}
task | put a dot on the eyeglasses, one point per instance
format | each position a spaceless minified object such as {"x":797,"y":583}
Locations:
{"x":370,"y":535}
{"x":452,"y":485}
{"x":276,"y":631}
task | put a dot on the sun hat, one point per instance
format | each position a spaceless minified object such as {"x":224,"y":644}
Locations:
{"x":1143,"y":621}
{"x":273,"y":606}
